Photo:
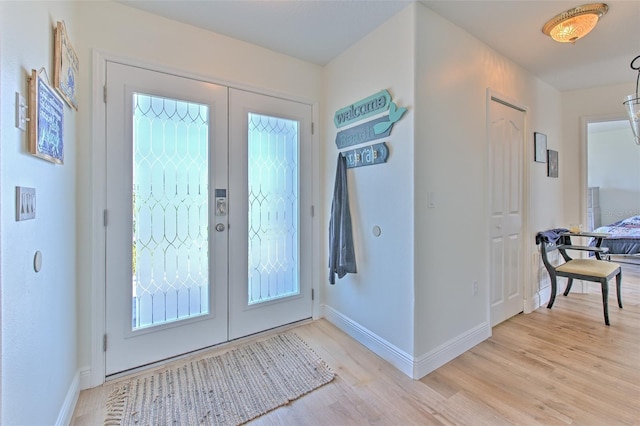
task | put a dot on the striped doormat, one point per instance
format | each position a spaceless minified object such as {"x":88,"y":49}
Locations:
{"x":227,"y":389}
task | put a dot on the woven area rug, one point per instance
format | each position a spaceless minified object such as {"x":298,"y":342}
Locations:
{"x":227,"y":389}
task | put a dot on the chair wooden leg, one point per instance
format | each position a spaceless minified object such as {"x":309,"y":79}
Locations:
{"x":569,"y":284}
{"x":605,"y":299}
{"x":618,"y":288}
{"x":554,"y":286}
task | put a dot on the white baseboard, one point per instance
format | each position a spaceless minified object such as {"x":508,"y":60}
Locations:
{"x":70,"y":401}
{"x":390,"y":353}
{"x":541,"y":298}
{"x":415,"y":368}
{"x":85,"y":378}
{"x":446,"y":352}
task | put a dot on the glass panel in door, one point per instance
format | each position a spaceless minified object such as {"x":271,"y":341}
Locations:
{"x":170,"y":248}
{"x":269,"y":212}
{"x":273,"y":208}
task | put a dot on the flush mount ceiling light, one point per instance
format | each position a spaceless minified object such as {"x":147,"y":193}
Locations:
{"x":633,"y":103}
{"x":573,"y":24}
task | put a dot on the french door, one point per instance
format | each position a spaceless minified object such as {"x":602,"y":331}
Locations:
{"x":271,"y":238}
{"x":205,"y":236}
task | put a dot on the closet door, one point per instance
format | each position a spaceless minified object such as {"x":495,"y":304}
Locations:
{"x":506,"y":157}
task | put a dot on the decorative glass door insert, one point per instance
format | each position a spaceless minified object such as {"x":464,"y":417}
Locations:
{"x":170,"y":248}
{"x":273,"y":208}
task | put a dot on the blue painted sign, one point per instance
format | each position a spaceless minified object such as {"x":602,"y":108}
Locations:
{"x":361,"y":133}
{"x":50,"y":117}
{"x":367,"y":107}
{"x":366,"y":156}
{"x":395,"y":114}
{"x":374,"y":129}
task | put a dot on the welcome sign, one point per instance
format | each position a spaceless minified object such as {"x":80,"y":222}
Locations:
{"x":361,"y":133}
{"x":367,"y":107}
{"x":367,"y":156}
{"x":374,"y":129}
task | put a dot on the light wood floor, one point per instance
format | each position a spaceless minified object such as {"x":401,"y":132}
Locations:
{"x":558,"y":366}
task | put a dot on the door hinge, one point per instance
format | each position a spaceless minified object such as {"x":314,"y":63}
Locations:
{"x":104,"y":217}
{"x":312,"y":127}
{"x":313,"y":294}
{"x":104,"y":93}
{"x":104,"y":343}
{"x":313,"y":211}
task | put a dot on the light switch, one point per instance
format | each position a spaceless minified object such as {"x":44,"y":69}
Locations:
{"x":25,"y":203}
{"x":431,"y":200}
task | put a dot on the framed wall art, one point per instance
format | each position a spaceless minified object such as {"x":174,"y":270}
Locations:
{"x":540,"y":147}
{"x":552,"y":163}
{"x":46,"y":120}
{"x":66,"y":66}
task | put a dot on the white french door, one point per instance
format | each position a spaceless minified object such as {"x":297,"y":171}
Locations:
{"x":270,"y":235}
{"x":203,"y":244}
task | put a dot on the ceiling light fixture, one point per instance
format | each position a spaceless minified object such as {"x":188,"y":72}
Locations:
{"x":633,"y":104}
{"x":573,"y":24}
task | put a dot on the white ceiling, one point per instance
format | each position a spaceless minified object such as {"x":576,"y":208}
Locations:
{"x":319,"y":30}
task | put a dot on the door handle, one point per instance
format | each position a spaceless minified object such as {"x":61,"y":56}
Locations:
{"x":220,"y":227}
{"x":499,"y":226}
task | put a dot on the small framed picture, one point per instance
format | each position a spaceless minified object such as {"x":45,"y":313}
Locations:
{"x":66,"y":66}
{"x":552,"y":163}
{"x":46,"y":120}
{"x":540,"y":147}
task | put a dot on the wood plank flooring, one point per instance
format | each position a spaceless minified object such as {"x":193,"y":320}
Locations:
{"x":558,"y":366}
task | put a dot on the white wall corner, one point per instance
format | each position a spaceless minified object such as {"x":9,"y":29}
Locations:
{"x":446,"y":352}
{"x":70,"y":401}
{"x":390,"y":353}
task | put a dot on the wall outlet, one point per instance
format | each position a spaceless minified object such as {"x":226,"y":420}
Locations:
{"x":474,"y":287}
{"x":25,"y":203}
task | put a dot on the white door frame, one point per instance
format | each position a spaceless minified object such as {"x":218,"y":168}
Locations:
{"x":584,"y":155}
{"x":95,"y":376}
{"x":529,"y":299}
{"x":580,"y":286}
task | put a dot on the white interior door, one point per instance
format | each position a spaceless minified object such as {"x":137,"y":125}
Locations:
{"x":166,"y":283}
{"x":506,"y":156}
{"x":269,"y":211}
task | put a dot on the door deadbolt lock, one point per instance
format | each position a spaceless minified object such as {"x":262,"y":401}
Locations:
{"x":220,"y":227}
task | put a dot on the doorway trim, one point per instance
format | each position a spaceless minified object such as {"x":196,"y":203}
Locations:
{"x":529,"y":299}
{"x":95,"y":374}
{"x":584,"y":155}
{"x":583,"y":172}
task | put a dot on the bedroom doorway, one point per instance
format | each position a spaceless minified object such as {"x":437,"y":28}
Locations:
{"x":205,"y":239}
{"x":612,"y":185}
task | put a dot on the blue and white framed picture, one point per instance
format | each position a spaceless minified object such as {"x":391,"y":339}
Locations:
{"x":46,"y":120}
{"x":66,"y":66}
